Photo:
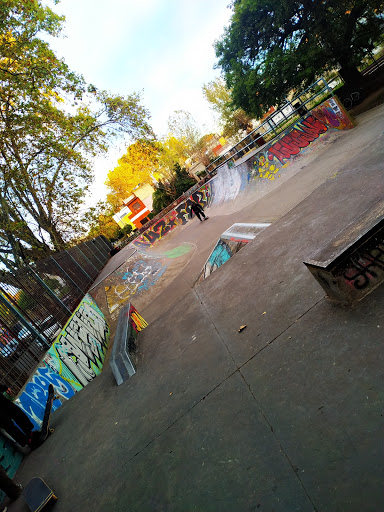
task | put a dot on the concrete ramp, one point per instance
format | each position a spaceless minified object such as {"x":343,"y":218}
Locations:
{"x":229,"y":243}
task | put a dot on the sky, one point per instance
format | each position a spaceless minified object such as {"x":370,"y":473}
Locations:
{"x":163,"y":48}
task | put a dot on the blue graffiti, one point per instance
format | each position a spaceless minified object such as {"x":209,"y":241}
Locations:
{"x":33,"y":399}
{"x":220,"y":254}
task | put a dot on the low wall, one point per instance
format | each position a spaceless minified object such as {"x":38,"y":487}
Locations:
{"x":75,"y":358}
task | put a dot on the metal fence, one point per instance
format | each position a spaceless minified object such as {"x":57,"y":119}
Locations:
{"x":36,"y":302}
{"x":276,"y":122}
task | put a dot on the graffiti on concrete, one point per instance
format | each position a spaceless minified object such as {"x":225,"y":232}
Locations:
{"x":223,"y":250}
{"x":35,"y":394}
{"x":137,"y":321}
{"x":79,"y":350}
{"x":138,"y":277}
{"x":179,"y":216}
{"x":366,"y":268}
{"x":74,"y":359}
{"x":329,"y":115}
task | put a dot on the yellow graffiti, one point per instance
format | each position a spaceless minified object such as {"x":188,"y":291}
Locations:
{"x":267,"y":170}
{"x":139,"y":321}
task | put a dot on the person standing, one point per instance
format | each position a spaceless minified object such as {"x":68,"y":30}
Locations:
{"x":198,"y":211}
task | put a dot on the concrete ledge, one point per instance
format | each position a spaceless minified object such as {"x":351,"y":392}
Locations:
{"x":352,"y":264}
{"x":124,"y":347}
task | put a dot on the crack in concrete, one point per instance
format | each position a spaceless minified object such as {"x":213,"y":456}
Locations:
{"x":238,"y":369}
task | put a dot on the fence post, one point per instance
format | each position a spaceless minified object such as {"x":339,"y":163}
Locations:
{"x":81,"y":268}
{"x":94,"y":253}
{"x":95,"y":245}
{"x":50,"y":292}
{"x":78,"y":248}
{"x":22,"y":320}
{"x":64,"y":272}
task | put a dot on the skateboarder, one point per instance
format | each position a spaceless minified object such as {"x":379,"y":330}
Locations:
{"x":198,"y":211}
{"x":13,"y":420}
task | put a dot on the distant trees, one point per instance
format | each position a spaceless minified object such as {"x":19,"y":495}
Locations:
{"x":234,"y":121}
{"x":271,"y":48}
{"x":51,"y":123}
{"x":167,"y":191}
{"x":136,"y":167}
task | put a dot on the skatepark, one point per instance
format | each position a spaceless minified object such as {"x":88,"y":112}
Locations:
{"x":286,"y":415}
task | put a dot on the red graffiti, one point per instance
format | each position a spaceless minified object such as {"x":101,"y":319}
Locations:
{"x":297,"y":139}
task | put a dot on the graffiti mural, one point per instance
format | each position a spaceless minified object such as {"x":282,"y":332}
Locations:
{"x":138,"y":276}
{"x":223,"y":250}
{"x":34,"y":397}
{"x":327,"y":116}
{"x":137,"y":321}
{"x":79,"y":350}
{"x":178,"y":216}
{"x":74,"y":359}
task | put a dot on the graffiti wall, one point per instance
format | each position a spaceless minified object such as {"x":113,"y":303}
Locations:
{"x":330,"y":115}
{"x":266,"y":164}
{"x":138,"y":274}
{"x":223,"y":250}
{"x":179,"y":216}
{"x":75,"y":358}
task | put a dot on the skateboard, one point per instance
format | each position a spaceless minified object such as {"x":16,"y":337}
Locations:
{"x":40,"y":436}
{"x":37,"y":494}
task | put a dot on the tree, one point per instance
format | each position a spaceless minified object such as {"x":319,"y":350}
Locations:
{"x":51,"y":123}
{"x":100,"y":221}
{"x":234,"y":121}
{"x":174,"y":151}
{"x":271,"y":48}
{"x":167,"y":191}
{"x":185,"y":129}
{"x":136,"y":167}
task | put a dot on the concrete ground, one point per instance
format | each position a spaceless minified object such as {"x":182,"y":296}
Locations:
{"x":286,"y":415}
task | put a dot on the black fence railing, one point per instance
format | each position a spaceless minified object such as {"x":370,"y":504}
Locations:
{"x":274,"y":124}
{"x":36,"y":301}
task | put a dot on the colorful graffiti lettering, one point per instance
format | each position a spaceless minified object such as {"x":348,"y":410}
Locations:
{"x":329,"y":115}
{"x":34,"y":396}
{"x":79,"y":351}
{"x":137,"y":278}
{"x":179,"y":216}
{"x":136,"y":320}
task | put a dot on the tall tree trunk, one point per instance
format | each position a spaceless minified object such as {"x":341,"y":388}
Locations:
{"x":351,"y":75}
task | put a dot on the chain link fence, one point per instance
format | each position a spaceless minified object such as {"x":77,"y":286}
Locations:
{"x":37,"y":300}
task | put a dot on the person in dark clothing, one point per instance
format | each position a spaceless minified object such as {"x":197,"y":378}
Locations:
{"x":7,"y":485}
{"x":14,"y":420}
{"x":198,"y":211}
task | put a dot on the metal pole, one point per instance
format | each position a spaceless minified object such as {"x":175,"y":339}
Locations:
{"x":102,"y":255}
{"x":81,"y":268}
{"x":64,"y":272}
{"x":20,"y":317}
{"x":78,"y":248}
{"x":95,"y":255}
{"x":50,"y":292}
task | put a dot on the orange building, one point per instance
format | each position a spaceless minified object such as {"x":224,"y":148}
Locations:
{"x":136,"y":208}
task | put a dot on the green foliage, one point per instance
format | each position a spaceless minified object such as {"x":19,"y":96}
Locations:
{"x":51,"y":124}
{"x":233,"y":120}
{"x":166,"y":193}
{"x":271,"y":48}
